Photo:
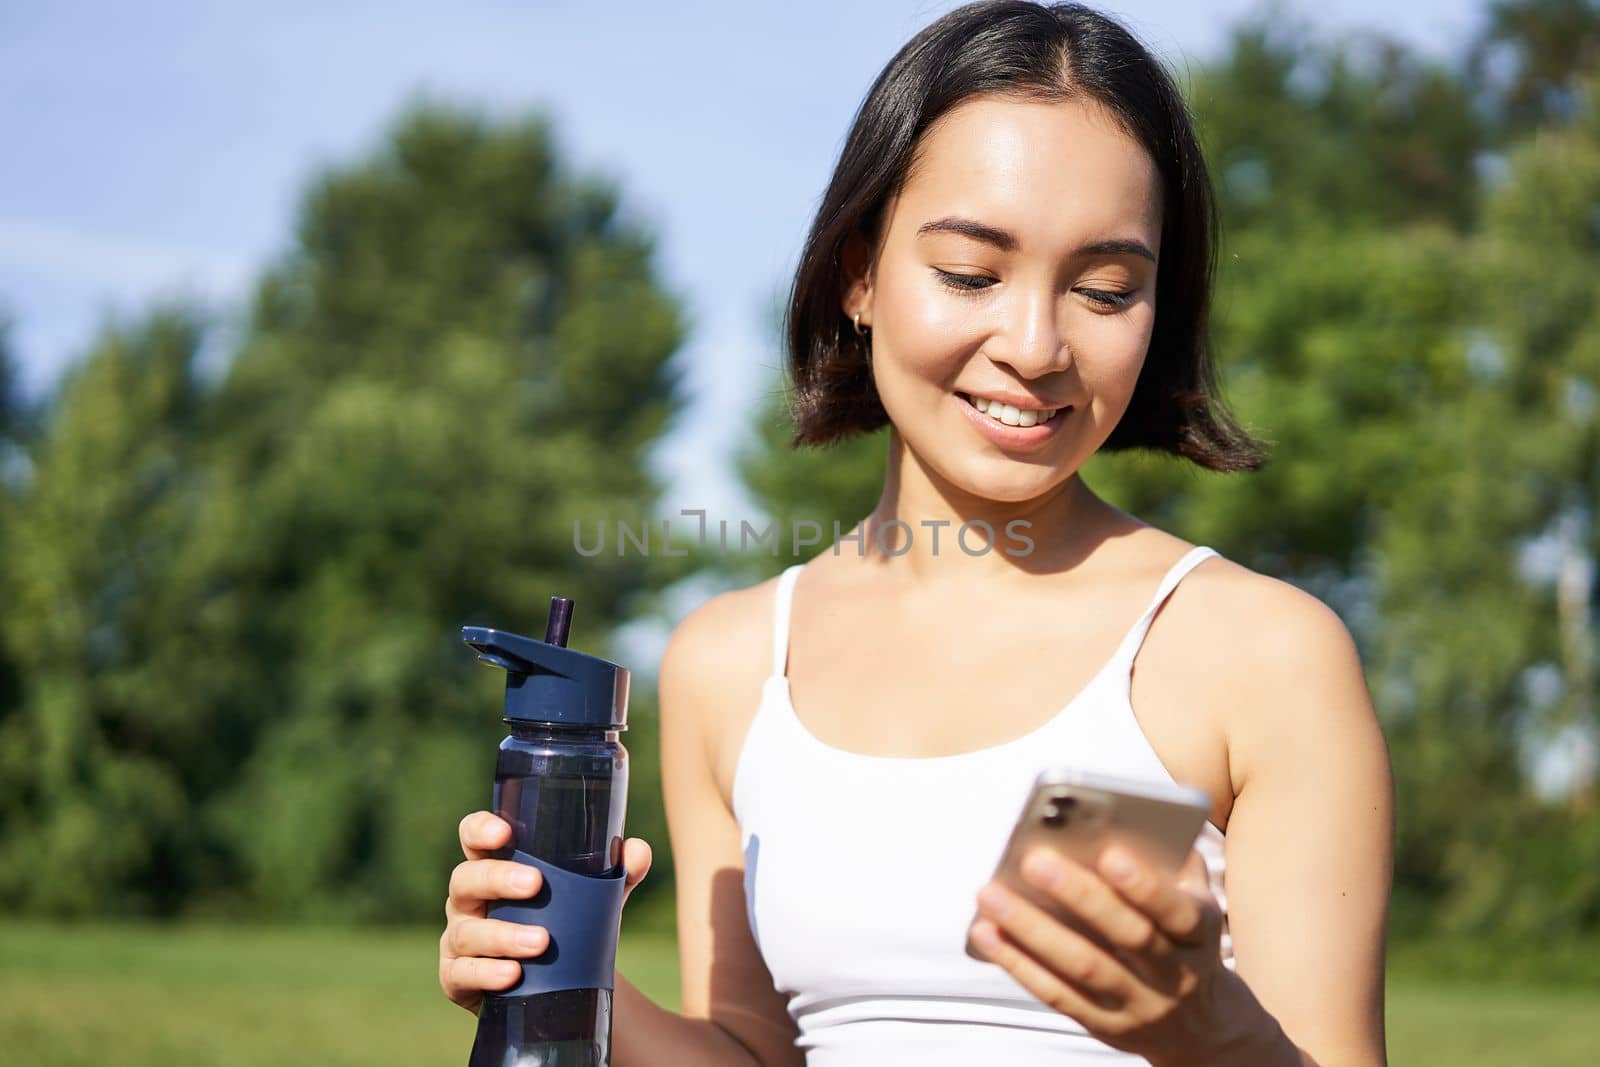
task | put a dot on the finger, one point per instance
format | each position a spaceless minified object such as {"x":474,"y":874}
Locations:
{"x":482,"y":833}
{"x":636,"y":859}
{"x":637,"y":856}
{"x":1040,"y":980}
{"x":475,"y":881}
{"x":495,"y":937}
{"x":1084,"y":894}
{"x":1177,"y":911}
{"x":1057,"y":946}
{"x":466,"y":973}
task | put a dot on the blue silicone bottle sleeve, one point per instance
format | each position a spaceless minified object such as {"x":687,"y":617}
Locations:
{"x":583,"y":915}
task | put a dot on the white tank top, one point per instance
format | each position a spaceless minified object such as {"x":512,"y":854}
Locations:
{"x":862,"y":872}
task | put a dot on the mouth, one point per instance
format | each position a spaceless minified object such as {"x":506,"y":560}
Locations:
{"x":1012,"y":428}
{"x":1009,"y":414}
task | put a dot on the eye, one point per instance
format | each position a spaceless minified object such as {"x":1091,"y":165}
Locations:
{"x":965,"y":284}
{"x":1108,"y":299}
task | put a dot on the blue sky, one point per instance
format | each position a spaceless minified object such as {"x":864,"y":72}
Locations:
{"x":153,"y":149}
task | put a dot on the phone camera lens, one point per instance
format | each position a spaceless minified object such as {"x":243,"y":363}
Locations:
{"x":1057,"y":810}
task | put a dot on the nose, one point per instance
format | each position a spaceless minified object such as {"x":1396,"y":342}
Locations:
{"x":1030,"y":339}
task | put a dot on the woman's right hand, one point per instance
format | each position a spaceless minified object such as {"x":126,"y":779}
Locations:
{"x":477,"y":953}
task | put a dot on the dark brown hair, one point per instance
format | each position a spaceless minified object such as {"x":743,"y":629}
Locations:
{"x":1032,"y":51}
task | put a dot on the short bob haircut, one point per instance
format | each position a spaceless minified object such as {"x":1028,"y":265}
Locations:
{"x":1026,"y":51}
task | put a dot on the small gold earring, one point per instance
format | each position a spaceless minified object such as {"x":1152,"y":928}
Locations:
{"x":859,"y":331}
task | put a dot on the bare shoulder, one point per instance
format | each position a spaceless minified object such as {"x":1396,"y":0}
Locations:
{"x":1261,"y":623}
{"x":712,"y":671}
{"x":1282,"y":668}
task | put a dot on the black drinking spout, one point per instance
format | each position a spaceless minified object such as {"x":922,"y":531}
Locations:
{"x":560,"y":621}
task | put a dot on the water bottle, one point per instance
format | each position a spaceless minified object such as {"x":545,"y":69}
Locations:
{"x":561,"y":781}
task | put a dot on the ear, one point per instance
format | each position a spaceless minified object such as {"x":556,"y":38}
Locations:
{"x":855,"y":268}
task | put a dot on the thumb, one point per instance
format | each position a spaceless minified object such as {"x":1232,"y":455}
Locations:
{"x":636,"y":858}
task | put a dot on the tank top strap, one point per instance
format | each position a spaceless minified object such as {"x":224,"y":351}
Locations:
{"x":780,"y":619}
{"x":1175,"y":574}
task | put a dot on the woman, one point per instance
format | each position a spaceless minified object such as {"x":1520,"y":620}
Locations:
{"x":1012,"y":269}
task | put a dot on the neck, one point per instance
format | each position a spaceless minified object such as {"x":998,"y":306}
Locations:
{"x":919,"y":515}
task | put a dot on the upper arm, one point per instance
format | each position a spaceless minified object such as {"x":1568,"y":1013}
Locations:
{"x":1310,"y":837}
{"x":724,"y":977}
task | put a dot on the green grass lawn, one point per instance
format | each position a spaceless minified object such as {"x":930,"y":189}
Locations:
{"x":141,"y":996}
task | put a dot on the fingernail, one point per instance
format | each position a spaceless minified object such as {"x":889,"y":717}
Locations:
{"x":531,"y":939}
{"x":524,"y":881}
{"x":993,"y":900}
{"x":1042,"y":870}
{"x":983,"y":935}
{"x":1118,"y":868}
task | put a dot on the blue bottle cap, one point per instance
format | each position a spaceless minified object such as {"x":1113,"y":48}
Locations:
{"x":549,"y":682}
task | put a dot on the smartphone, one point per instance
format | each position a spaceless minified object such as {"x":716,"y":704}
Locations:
{"x":1080,"y":813}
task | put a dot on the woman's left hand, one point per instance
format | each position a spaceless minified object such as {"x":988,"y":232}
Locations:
{"x":1147,"y":979}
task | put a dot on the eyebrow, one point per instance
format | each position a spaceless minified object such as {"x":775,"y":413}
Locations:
{"x":1007,"y":241}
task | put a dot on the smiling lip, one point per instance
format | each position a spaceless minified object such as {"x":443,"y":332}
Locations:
{"x":1013,"y":438}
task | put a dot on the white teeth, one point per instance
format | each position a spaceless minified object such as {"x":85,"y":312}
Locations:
{"x":1011,"y":415}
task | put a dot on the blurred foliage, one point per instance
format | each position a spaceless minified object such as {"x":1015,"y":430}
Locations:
{"x":238,"y":607}
{"x":231,"y":680}
{"x":1525,"y":66}
{"x":14,"y":472}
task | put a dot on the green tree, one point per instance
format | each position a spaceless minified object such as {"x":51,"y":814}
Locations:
{"x":1537,"y":444}
{"x":14,"y":474}
{"x":1544,"y":224}
{"x":91,"y":756}
{"x":1304,"y":130}
{"x":1531,"y":59}
{"x":837,"y":484}
{"x":12,"y":409}
{"x":466,"y":351}
{"x":237,"y":608}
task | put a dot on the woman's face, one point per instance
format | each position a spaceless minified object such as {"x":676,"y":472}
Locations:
{"x":1018,"y":262}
